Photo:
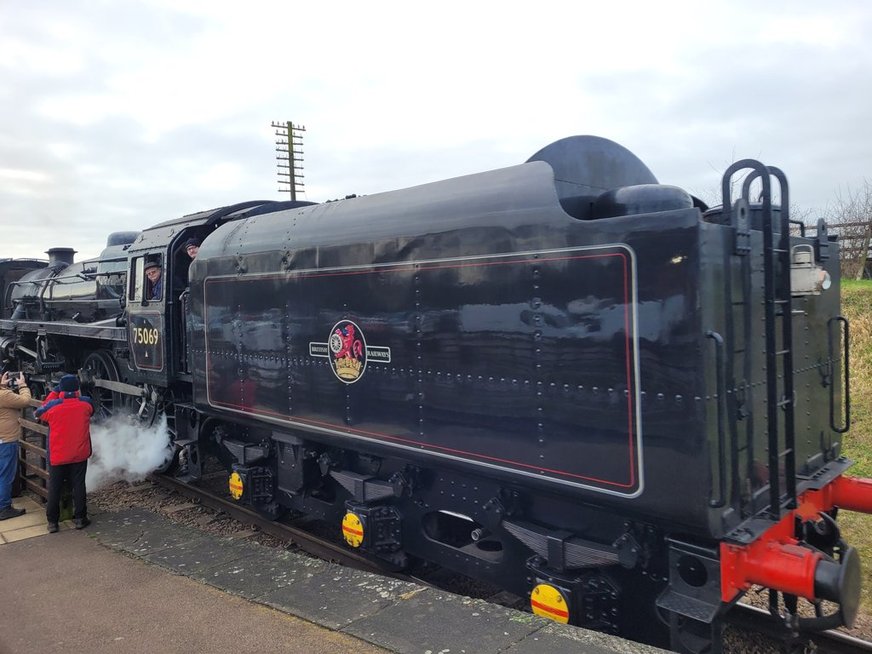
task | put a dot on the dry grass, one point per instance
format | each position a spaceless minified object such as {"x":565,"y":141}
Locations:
{"x":857,"y":528}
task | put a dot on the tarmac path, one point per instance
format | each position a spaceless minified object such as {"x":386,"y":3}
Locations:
{"x":67,"y":593}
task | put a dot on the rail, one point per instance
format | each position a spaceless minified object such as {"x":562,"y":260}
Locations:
{"x":304,"y":540}
{"x":756,"y":619}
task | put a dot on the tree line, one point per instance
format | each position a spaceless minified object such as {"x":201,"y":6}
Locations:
{"x":850,"y":217}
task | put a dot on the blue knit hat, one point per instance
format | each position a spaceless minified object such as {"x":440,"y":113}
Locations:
{"x":68,"y":384}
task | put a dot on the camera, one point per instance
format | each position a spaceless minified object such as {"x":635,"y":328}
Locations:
{"x":13,"y":382}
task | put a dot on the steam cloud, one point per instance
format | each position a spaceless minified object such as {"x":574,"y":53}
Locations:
{"x":124,"y":450}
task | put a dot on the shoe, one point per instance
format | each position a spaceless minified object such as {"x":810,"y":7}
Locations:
{"x":81,"y":523}
{"x":11,"y":512}
{"x":52,"y":527}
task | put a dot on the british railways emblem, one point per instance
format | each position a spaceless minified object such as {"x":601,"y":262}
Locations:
{"x":348,"y":352}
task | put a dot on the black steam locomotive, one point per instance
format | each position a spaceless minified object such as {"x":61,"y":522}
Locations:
{"x":562,"y":377}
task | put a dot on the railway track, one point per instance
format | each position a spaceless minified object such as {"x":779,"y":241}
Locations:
{"x":743,"y":616}
{"x":314,"y":545}
{"x":757,"y":620}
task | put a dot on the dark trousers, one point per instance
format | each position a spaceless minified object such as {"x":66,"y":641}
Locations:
{"x":75,"y":472}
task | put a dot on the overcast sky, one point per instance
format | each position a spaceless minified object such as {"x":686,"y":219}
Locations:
{"x":120,"y":114}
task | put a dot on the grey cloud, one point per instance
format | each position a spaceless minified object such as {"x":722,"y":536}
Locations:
{"x":802,"y":107}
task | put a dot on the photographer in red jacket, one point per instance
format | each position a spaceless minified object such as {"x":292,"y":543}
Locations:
{"x":69,"y":446}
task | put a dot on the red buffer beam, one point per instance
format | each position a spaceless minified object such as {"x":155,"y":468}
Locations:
{"x":778,"y":560}
{"x":850,"y":493}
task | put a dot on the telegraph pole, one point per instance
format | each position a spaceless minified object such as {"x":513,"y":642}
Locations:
{"x":289,"y":149}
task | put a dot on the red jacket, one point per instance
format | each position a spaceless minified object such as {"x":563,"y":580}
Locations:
{"x":69,"y":428}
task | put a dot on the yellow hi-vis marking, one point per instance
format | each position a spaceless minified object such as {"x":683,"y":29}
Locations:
{"x":352,"y":530}
{"x":235,"y":486}
{"x":547,"y":601}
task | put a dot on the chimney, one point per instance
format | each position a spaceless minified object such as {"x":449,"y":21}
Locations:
{"x":60,"y":256}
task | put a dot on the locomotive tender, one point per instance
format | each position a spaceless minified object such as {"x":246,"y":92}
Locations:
{"x":562,"y":377}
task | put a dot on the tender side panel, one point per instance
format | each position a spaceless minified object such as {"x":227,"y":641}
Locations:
{"x":524,"y":362}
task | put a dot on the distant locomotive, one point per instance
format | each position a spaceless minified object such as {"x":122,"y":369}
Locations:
{"x":561,"y":377}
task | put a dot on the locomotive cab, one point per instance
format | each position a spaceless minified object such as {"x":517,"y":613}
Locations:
{"x":147,"y":305}
{"x":157,"y":329}
{"x":157,"y":319}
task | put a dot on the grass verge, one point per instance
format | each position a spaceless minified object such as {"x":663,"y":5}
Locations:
{"x":857,"y":527}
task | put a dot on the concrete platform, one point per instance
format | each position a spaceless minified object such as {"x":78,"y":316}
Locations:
{"x":135,"y":582}
{"x":29,"y":525}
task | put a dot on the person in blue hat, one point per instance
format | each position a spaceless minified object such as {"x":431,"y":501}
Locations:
{"x":69,"y":447}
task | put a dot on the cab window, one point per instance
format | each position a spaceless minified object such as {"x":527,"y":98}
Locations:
{"x":146,"y":278}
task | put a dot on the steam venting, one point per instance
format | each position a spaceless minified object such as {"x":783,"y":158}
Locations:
{"x":125,"y":450}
